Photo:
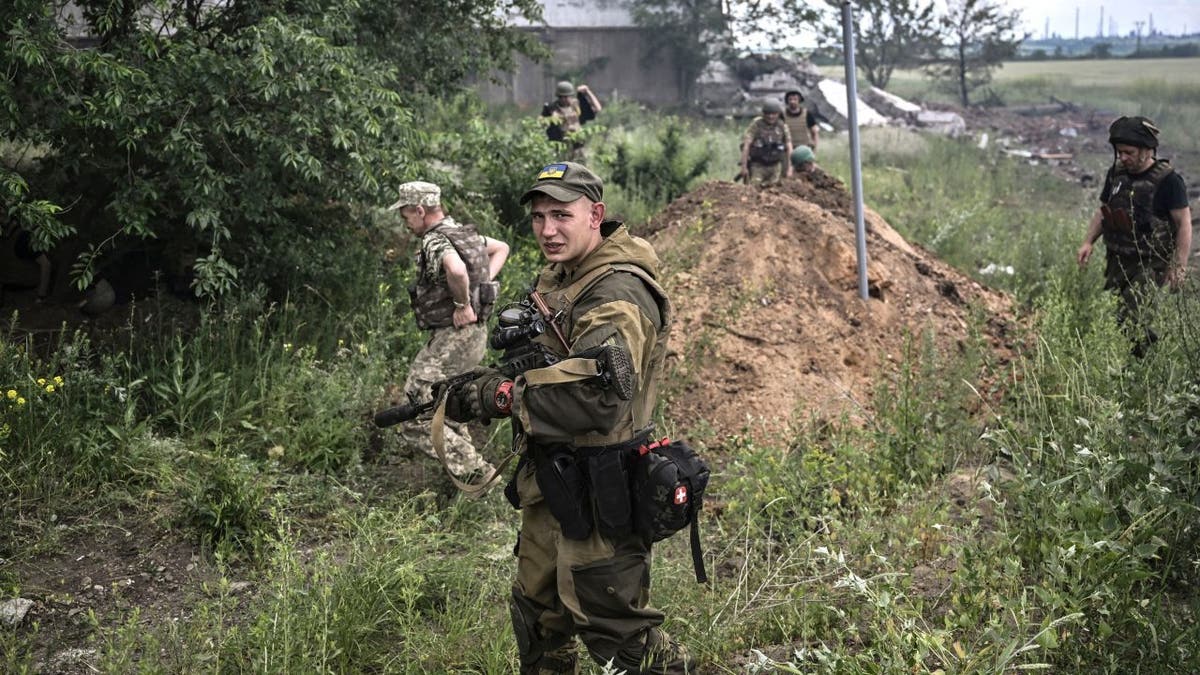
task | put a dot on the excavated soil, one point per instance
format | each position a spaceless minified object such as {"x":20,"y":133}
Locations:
{"x":770,"y":330}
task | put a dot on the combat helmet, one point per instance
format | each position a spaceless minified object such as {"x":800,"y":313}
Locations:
{"x":564,"y":88}
{"x":772,"y":107}
{"x":1137,"y":131}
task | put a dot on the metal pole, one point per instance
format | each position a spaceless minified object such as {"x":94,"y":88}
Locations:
{"x":860,"y":228}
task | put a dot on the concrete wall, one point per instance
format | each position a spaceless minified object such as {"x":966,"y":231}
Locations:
{"x":613,"y":61}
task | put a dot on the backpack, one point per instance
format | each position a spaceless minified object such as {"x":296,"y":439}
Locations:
{"x":669,"y":480}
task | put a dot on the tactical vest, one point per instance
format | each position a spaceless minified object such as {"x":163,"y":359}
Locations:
{"x":1130,"y":225}
{"x":432,"y":302}
{"x":798,"y":126}
{"x":569,"y":116}
{"x":768,"y":146}
{"x":563,"y":300}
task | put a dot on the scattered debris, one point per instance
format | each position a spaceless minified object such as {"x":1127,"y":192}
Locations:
{"x":12,"y":612}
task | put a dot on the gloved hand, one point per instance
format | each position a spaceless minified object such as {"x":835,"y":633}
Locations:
{"x":487,"y":396}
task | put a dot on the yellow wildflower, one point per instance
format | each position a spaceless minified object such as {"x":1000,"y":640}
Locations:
{"x":287,"y":346}
{"x":41,"y":381}
{"x":12,"y":394}
{"x":20,"y":400}
{"x":49,"y":389}
{"x":58,"y":380}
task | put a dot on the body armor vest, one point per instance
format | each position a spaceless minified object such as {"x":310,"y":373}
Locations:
{"x":768,"y":145}
{"x":1130,"y":225}
{"x":432,"y":302}
{"x":561,"y":302}
{"x":569,"y":114}
{"x":798,"y":126}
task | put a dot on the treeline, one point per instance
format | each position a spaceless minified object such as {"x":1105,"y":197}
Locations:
{"x":1105,"y":50}
{"x":252,"y":138}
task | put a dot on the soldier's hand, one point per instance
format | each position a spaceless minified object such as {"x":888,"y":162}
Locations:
{"x":1176,"y":276}
{"x":1085,"y":252}
{"x":464,"y":316}
{"x":486,"y":397}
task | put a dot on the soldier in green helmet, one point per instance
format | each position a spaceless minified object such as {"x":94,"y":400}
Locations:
{"x":766,"y":147}
{"x":571,"y":108}
{"x":1145,"y":221}
{"x":581,"y":571}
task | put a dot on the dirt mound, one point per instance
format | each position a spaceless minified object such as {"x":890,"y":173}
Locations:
{"x":769,"y":324}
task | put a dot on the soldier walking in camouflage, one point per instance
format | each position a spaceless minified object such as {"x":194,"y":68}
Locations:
{"x":1145,"y":221}
{"x":767,"y":147}
{"x":452,"y":298}
{"x":582,"y":569}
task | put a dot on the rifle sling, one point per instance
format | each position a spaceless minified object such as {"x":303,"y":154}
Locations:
{"x":568,"y":370}
{"x":437,"y":437}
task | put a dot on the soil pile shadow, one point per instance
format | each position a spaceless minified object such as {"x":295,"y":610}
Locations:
{"x":769,"y":326}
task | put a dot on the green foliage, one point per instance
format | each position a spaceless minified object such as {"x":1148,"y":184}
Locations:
{"x":887,"y":34}
{"x":249,"y":136}
{"x":687,"y":30}
{"x":663,"y":171}
{"x":979,"y":35}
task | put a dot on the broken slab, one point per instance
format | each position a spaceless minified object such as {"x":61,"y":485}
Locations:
{"x":942,"y":122}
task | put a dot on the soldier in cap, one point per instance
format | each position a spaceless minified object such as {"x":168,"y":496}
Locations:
{"x":571,"y":108}
{"x":766,"y":147}
{"x":578,"y":573}
{"x":1145,"y":221}
{"x":452,"y":297}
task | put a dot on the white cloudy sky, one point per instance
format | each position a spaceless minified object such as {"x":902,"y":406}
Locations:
{"x":1170,"y":16}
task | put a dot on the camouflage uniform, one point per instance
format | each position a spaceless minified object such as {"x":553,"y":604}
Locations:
{"x":597,"y":587}
{"x":768,"y":145}
{"x":449,"y":351}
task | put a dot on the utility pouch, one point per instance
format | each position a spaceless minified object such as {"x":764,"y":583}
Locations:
{"x":608,"y":474}
{"x":1116,"y":220}
{"x":564,"y":487}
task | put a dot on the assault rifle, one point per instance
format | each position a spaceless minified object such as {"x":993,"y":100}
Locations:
{"x":516,"y":327}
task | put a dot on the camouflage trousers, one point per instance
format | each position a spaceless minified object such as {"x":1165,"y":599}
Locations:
{"x":765,"y":174}
{"x":448,"y":352}
{"x":1135,"y":279}
{"x":597,"y":589}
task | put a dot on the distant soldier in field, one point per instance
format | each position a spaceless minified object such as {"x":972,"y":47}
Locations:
{"x":1145,"y":221}
{"x":452,"y":297}
{"x":801,"y":121}
{"x":568,"y":112}
{"x":766,"y":147}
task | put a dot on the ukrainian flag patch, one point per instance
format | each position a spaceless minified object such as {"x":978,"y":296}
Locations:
{"x":553,"y":171}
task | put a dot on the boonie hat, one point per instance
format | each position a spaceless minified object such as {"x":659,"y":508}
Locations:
{"x":566,"y":182}
{"x":418,"y":193}
{"x":1137,"y":131}
{"x":564,"y":88}
{"x":772,"y":107}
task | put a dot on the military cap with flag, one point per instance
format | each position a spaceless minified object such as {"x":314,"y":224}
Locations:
{"x":566,"y":182}
{"x":418,"y":193}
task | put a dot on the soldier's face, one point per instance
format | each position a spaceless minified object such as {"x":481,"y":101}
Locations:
{"x":566,"y":231}
{"x":770,"y":118}
{"x":793,"y":102}
{"x":414,"y":217}
{"x":1134,"y":158}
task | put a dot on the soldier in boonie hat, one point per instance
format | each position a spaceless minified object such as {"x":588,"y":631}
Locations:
{"x":418,"y":193}
{"x":566,"y":182}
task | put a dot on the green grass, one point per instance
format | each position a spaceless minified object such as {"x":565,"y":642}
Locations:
{"x":988,"y":517}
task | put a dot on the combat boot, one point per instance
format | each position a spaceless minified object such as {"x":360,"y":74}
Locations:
{"x":561,"y":661}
